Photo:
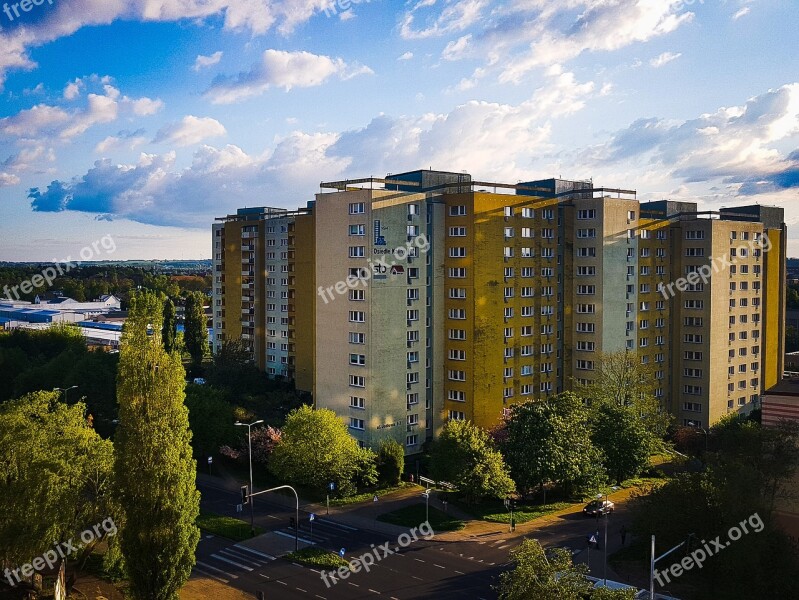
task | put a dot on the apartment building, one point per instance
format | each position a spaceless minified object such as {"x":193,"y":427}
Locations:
{"x":251,"y":285}
{"x":423,"y":297}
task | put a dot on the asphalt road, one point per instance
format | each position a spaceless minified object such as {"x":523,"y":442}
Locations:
{"x":423,"y":569}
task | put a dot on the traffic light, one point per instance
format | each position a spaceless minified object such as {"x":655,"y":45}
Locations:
{"x":245,"y":498}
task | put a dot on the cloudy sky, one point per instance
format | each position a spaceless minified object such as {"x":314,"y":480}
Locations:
{"x":145,"y":119}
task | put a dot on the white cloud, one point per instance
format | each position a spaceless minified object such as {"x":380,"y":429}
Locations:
{"x":189,"y":131}
{"x":405,"y":56}
{"x":122,"y":141}
{"x":72,"y":89}
{"x":664,"y":59}
{"x":8,"y":179}
{"x":491,"y":140}
{"x":282,"y":69}
{"x":55,"y":122}
{"x":202,"y":62}
{"x":457,"y":15}
{"x":741,"y":13}
{"x":63,"y":19}
{"x":736,"y":146}
{"x":455,"y":49}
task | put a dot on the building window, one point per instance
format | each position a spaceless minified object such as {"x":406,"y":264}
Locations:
{"x":356,"y":423}
{"x":359,"y":229}
{"x":357,"y":208}
{"x":356,"y":402}
{"x":457,"y":211}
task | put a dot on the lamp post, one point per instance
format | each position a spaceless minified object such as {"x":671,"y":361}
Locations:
{"x":702,"y":429}
{"x":65,"y":390}
{"x":249,"y":445}
{"x":426,"y":495}
{"x":606,"y":515}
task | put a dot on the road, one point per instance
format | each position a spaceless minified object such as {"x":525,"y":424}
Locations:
{"x":456,"y":568}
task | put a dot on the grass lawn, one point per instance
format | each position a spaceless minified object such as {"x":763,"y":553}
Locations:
{"x":413,"y":516}
{"x":367,"y":496}
{"x":495,"y":511}
{"x":234,"y":529}
{"x":317,"y":557}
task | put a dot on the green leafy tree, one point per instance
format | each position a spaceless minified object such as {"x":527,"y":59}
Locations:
{"x":154,"y":468}
{"x":195,"y":334}
{"x":752,"y":468}
{"x":234,"y":371}
{"x":536,"y":576}
{"x":622,"y":440}
{"x":316,"y":448}
{"x":464,"y":456}
{"x":169,"y":331}
{"x":622,"y":380}
{"x":548,"y":442}
{"x":56,"y":476}
{"x":210,"y":419}
{"x":390,"y":462}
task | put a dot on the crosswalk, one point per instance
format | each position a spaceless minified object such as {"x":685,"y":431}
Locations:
{"x":229,"y":563}
{"x":234,"y":561}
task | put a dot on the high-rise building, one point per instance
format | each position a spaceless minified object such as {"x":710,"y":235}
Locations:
{"x":423,"y":297}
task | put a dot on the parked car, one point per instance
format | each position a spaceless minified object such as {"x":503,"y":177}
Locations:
{"x":598,"y":507}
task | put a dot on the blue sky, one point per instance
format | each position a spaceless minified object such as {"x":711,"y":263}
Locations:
{"x":146,"y":119}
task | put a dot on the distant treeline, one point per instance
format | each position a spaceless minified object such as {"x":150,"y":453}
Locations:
{"x":87,"y":283}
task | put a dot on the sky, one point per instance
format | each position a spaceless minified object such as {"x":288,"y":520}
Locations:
{"x":145,"y":120}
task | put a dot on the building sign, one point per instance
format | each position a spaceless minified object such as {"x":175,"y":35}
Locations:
{"x":379,"y":239}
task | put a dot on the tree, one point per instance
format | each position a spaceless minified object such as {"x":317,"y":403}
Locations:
{"x":195,"y":334}
{"x":264,"y":441}
{"x":210,"y":419}
{"x":547,"y":442}
{"x":154,"y":468}
{"x":316,"y":448}
{"x":464,"y":456}
{"x":622,"y":380}
{"x":536,"y":576}
{"x":740,"y":481}
{"x":623,"y":441}
{"x":56,"y":476}
{"x":169,"y":331}
{"x":390,"y":462}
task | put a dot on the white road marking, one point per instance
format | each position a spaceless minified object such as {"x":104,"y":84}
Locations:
{"x":207,"y":566}
{"x":439,"y":566}
{"x":288,"y":535}
{"x":375,"y":591}
{"x":256,"y":552}
{"x":227,"y":560}
{"x":341,"y":525}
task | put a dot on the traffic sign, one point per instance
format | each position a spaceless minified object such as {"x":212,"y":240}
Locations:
{"x":341,"y":553}
{"x":375,"y":498}
{"x":210,"y":460}
{"x":311,"y":517}
{"x":331,"y":486}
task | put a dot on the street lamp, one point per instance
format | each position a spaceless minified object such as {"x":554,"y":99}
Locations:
{"x":606,"y":515}
{"x":426,"y":495}
{"x":249,"y":444}
{"x":65,"y":390}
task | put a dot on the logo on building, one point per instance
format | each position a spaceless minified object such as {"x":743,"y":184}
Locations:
{"x":397,"y":270}
{"x":379,"y":239}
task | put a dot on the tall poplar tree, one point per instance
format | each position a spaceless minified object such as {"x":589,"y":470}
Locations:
{"x":154,"y":467}
{"x":195,"y":335}
{"x":168,"y":332}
